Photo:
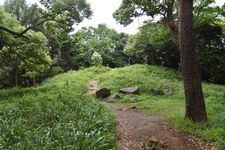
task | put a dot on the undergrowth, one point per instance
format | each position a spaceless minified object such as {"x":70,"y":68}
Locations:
{"x":56,"y":115}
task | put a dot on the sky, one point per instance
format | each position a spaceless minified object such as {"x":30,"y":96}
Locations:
{"x":103,"y":10}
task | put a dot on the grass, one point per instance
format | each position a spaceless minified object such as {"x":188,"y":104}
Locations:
{"x":171,"y":107}
{"x":56,"y":115}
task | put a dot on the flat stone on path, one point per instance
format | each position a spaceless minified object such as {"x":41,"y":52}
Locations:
{"x":129,"y":90}
{"x":92,"y":87}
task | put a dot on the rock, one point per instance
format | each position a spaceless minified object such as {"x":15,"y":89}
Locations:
{"x":156,"y":92}
{"x":134,"y":99}
{"x":129,"y":90}
{"x":154,"y":144}
{"x":167,"y":83}
{"x":115,"y":96}
{"x":168,"y":91}
{"x":112,"y":98}
{"x":133,"y":107}
{"x":154,"y":139}
{"x":103,"y":93}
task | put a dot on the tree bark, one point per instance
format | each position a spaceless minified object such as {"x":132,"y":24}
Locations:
{"x":195,"y":105}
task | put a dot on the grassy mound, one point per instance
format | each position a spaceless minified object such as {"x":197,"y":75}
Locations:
{"x":56,"y":115}
{"x":170,"y":106}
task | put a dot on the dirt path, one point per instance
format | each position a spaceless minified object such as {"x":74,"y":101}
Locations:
{"x":140,"y":131}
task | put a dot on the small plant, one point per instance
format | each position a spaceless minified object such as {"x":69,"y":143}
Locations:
{"x":96,"y":59}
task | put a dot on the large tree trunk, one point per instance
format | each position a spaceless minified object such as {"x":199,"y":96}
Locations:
{"x":195,"y":105}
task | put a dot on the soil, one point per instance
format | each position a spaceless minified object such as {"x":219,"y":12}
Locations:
{"x":137,"y":130}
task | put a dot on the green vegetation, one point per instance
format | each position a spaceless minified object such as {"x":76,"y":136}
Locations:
{"x":157,"y":41}
{"x":169,"y":106}
{"x":56,"y":115}
{"x":37,"y":41}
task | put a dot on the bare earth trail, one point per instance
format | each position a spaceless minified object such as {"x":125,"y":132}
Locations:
{"x":136,"y":128}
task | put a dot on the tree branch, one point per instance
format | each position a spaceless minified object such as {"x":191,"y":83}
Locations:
{"x":16,"y":34}
{"x":34,"y":26}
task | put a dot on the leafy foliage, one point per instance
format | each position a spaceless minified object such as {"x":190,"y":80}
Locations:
{"x":156,"y":43}
{"x":64,"y":12}
{"x":96,"y":59}
{"x":131,"y":9}
{"x":21,"y":56}
{"x":107,"y":42}
{"x":211,"y":41}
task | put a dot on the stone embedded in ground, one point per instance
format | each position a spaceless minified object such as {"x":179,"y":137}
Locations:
{"x":154,"y":139}
{"x":112,"y":98}
{"x":133,"y":107}
{"x":115,"y":96}
{"x":134,"y":99}
{"x":129,"y":90}
{"x":93,"y":87}
{"x":103,"y":93}
{"x":154,"y":144}
{"x":167,"y":83}
{"x":168,"y":91}
{"x":156,"y":92}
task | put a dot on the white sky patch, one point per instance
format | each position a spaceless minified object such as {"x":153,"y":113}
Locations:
{"x":102,"y":13}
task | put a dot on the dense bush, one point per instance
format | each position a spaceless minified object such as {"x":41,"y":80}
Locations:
{"x":211,"y":50}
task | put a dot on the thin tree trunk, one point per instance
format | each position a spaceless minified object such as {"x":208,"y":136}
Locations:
{"x":16,"y":77}
{"x":34,"y":81}
{"x":195,"y":105}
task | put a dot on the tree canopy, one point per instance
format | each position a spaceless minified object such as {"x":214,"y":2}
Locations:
{"x":64,"y":12}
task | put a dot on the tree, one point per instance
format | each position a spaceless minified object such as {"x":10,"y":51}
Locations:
{"x":96,"y":59}
{"x":17,"y":8}
{"x":107,"y":42}
{"x":130,"y":9}
{"x":195,"y":105}
{"x":165,"y":9}
{"x":211,"y":51}
{"x":156,"y":43}
{"x":64,"y":12}
{"x":19,"y":57}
